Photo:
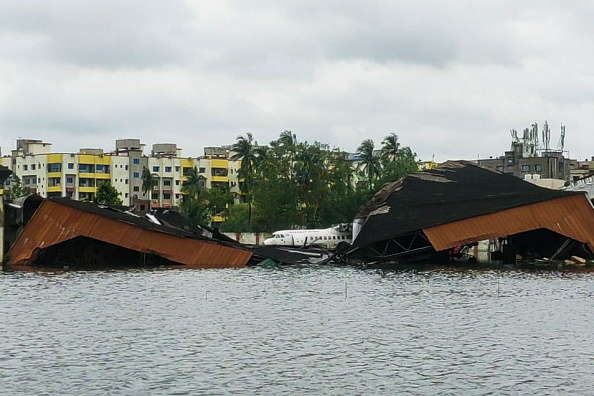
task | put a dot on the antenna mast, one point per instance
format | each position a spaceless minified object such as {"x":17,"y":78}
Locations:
{"x":562,"y":138}
{"x":546,"y":136}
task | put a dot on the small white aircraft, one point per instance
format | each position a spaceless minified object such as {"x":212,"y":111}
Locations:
{"x":327,"y":237}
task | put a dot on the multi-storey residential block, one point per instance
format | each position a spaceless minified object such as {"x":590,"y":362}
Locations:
{"x":165,"y":164}
{"x":78,"y":175}
{"x":128,"y":160}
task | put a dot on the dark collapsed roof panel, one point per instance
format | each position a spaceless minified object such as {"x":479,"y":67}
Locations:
{"x":189,"y":229}
{"x":119,"y":215}
{"x":453,"y":191}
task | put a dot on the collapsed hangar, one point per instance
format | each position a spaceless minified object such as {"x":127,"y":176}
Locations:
{"x":64,"y":232}
{"x":428,"y":214}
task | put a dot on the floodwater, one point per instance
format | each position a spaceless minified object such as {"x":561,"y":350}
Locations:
{"x":300,"y":330}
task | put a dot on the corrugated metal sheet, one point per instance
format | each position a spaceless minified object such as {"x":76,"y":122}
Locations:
{"x":55,"y":223}
{"x":572,"y":216}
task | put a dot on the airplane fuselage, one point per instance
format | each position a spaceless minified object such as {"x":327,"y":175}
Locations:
{"x":328,"y":237}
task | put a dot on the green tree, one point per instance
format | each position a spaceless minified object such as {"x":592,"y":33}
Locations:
{"x":404,"y":164}
{"x":149,"y":181}
{"x":107,"y":194}
{"x":245,"y":151}
{"x":369,"y":163}
{"x":193,"y":203}
{"x":218,"y":199}
{"x":17,"y":190}
{"x":390,"y":147}
{"x":296,"y":184}
{"x":237,"y":219}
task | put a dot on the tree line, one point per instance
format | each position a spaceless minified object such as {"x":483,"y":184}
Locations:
{"x":292,"y":183}
{"x":287,"y":184}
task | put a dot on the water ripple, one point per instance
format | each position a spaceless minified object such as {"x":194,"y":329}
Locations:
{"x":296,"y":331}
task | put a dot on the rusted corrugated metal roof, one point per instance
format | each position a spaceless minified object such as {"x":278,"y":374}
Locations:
{"x":572,"y":216}
{"x":454,"y":191}
{"x":55,"y":222}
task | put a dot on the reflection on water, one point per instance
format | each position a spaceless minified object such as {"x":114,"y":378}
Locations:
{"x":296,"y":331}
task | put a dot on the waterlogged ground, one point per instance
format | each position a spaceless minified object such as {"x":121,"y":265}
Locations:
{"x":296,"y":331}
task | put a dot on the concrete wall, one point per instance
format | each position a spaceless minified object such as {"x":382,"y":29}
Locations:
{"x":249,"y":238}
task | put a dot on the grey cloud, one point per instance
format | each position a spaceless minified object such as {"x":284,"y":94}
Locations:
{"x":98,"y":33}
{"x":450,"y":78}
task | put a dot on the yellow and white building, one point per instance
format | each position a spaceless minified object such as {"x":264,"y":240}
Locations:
{"x":78,"y":175}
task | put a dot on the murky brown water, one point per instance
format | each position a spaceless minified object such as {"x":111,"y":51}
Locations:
{"x":296,"y":331}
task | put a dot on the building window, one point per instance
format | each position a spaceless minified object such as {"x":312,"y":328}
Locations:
{"x":176,"y":196}
{"x":69,"y":180}
{"x":126,"y":167}
{"x":99,"y":167}
{"x":32,"y":166}
{"x":126,"y":195}
{"x":167,"y":182}
{"x":155,"y":196}
{"x":537,"y":168}
{"x":70,"y":165}
{"x":136,"y":188}
{"x":510,"y":160}
{"x":177,"y":182}
{"x":126,"y":181}
{"x":69,"y":194}
{"x":167,"y":169}
{"x":525,"y":168}
{"x":136,"y":175}
{"x":155,"y":169}
{"x":54,"y":168}
{"x":25,"y":167}
{"x":136,"y":161}
{"x":202,"y":170}
{"x":177,"y":168}
{"x":166,"y":196}
{"x":86,"y":168}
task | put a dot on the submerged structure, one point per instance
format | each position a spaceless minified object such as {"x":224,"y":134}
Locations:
{"x":428,"y":214}
{"x":64,"y":232}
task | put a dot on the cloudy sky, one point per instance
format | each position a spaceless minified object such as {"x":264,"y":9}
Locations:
{"x":451,"y":78}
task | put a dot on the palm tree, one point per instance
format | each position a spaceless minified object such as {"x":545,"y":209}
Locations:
{"x":368,"y":161}
{"x":193,"y":202}
{"x":193,"y":181}
{"x":149,"y":180}
{"x":390,"y":147}
{"x":248,"y":154}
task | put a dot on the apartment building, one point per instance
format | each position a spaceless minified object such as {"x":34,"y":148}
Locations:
{"x":77,"y":175}
{"x":165,"y":163}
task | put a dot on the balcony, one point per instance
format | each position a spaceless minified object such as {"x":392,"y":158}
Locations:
{"x":221,"y":179}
